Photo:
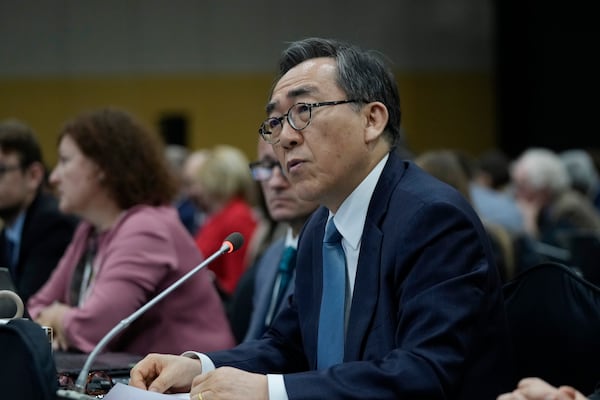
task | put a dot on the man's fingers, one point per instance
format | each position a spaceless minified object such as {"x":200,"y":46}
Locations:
{"x":144,"y":372}
{"x":160,"y":385}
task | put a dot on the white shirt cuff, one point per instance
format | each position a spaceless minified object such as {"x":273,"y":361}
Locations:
{"x":205,"y":362}
{"x":276,"y":387}
{"x":275,"y":383}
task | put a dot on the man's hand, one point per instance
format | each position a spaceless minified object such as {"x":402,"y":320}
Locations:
{"x":537,"y":389}
{"x":230,"y":383}
{"x":165,"y":373}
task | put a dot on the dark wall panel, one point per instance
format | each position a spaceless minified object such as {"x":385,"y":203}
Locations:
{"x":548,"y":75}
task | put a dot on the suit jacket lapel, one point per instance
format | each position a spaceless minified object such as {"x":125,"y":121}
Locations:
{"x":309,"y":274}
{"x":366,"y":292}
{"x":368,"y":273}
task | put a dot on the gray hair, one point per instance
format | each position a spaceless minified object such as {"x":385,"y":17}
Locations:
{"x":361,"y":74}
{"x":581,"y":169}
{"x":544,"y":170}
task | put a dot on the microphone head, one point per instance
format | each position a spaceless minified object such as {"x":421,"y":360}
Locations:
{"x":235,"y":240}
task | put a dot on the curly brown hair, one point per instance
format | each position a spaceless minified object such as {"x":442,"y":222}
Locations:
{"x":129,"y":154}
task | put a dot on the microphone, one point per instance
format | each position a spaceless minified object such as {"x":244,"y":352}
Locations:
{"x":231,"y":243}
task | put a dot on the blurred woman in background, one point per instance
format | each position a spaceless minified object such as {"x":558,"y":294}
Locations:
{"x":226,"y":192}
{"x":129,"y":247}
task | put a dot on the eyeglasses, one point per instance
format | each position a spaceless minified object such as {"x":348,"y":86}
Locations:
{"x":298,"y":116}
{"x":7,"y":168}
{"x":98,"y":383}
{"x":263,"y":170}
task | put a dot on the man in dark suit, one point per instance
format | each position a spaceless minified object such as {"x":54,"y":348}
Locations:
{"x":422,"y":309}
{"x":35,"y":233}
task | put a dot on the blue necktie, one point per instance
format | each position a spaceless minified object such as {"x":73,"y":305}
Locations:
{"x":284,"y":276}
{"x":286,"y":269}
{"x":330,"y":346}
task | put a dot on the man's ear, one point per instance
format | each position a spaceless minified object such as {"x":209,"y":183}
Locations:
{"x":35,"y":174}
{"x":376,"y":120}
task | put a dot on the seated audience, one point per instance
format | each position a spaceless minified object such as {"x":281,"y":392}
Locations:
{"x":226,"y":193}
{"x":35,"y":233}
{"x":550,"y":207}
{"x":489,"y":190}
{"x":129,"y":247}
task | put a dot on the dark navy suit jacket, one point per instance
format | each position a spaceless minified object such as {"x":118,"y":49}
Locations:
{"x":46,"y":234}
{"x":427,"y":317}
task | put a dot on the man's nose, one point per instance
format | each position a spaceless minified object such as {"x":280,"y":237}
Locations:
{"x":289,"y":136}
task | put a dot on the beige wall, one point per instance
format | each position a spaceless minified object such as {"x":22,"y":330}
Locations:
{"x":439,"y":109}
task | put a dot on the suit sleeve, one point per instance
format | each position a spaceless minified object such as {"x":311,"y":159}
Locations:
{"x":436,"y":290}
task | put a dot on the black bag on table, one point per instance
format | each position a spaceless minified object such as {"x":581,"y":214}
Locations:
{"x":27,"y":368}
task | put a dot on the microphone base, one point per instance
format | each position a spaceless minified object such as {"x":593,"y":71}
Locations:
{"x":73,"y":395}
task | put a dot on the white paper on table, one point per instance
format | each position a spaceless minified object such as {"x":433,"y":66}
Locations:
{"x":125,"y":392}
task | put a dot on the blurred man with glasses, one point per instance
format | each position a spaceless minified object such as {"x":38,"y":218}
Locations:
{"x":417,"y":312}
{"x":274,"y":271}
{"x":35,"y":232}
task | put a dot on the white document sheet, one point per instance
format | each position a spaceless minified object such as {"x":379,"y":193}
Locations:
{"x":125,"y":392}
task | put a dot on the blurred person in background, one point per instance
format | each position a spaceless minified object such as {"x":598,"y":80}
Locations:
{"x":489,"y":189}
{"x":176,"y":156}
{"x":563,"y":223}
{"x":583,"y":173}
{"x":35,"y":233}
{"x":129,"y":247}
{"x":226,"y":194}
{"x":190,"y":166}
{"x":549,"y":205}
{"x":492,"y":170}
{"x":240,"y":306}
{"x":275,"y":269}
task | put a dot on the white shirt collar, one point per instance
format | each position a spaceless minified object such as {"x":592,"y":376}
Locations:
{"x":290,"y":239}
{"x":350,"y":217}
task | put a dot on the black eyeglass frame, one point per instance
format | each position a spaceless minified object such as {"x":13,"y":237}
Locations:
{"x":261,"y":166}
{"x":7,"y":168}
{"x":267,"y":135}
